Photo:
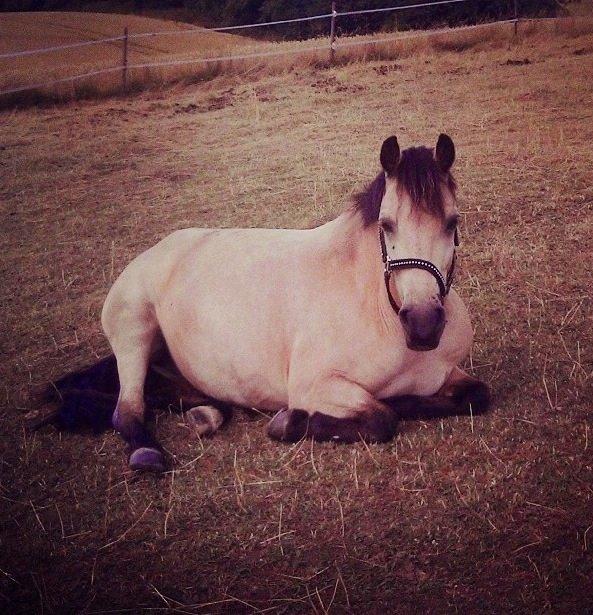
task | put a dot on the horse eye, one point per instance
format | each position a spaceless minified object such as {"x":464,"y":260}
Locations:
{"x":451,"y":225}
{"x":387,"y":226}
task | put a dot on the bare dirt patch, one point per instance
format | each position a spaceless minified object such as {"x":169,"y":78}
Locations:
{"x":493,"y":514}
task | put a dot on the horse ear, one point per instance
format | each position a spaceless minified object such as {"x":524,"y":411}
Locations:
{"x":390,"y":155}
{"x":445,"y":152}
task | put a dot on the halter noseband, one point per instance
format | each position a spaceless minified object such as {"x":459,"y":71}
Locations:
{"x":415,"y":263}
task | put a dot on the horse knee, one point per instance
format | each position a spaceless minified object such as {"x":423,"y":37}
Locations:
{"x":466,"y":392}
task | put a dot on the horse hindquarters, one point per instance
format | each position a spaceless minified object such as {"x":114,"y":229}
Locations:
{"x":131,"y":328}
{"x":133,"y":331}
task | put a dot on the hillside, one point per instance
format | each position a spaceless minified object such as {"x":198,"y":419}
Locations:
{"x":24,"y":31}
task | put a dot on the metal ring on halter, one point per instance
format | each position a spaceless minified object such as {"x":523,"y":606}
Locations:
{"x":416,"y":263}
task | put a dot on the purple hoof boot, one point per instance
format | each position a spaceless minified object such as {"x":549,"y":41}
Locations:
{"x":147,"y":459}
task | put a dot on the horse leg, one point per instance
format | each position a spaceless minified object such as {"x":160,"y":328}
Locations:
{"x":467,"y":393}
{"x":361,"y":417}
{"x":460,"y":394}
{"x":202,"y":412}
{"x":131,"y":329}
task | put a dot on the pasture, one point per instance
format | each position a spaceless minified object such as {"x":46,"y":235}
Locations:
{"x":161,"y":52}
{"x":30,"y":30}
{"x":487,"y":514}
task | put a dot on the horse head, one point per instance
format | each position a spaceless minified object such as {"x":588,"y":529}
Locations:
{"x":418,"y":230}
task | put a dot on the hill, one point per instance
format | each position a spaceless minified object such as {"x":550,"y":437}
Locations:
{"x":177,"y":53}
{"x":26,"y":31}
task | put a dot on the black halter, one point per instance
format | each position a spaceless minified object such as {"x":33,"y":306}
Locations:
{"x":415,"y":263}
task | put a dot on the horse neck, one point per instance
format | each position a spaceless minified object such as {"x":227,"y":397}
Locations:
{"x":355,"y":247}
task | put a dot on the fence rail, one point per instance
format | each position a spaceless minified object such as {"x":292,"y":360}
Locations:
{"x":334,"y":44}
{"x":99,"y":41}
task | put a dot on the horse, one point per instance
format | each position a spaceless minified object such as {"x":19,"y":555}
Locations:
{"x":338,"y":331}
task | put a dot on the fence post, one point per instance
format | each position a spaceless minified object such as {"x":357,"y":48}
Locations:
{"x":332,"y":35}
{"x":516,"y":17}
{"x":124,"y":74}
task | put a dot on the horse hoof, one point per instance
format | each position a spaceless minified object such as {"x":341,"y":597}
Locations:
{"x":475,"y":394}
{"x":147,"y":459}
{"x":289,"y":425}
{"x":205,"y":419}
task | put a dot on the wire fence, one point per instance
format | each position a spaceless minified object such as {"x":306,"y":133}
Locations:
{"x":334,"y":44}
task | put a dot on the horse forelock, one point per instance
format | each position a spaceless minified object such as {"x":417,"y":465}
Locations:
{"x":419,"y":176}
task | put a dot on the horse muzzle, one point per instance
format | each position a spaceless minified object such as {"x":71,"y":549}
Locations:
{"x":423,"y":325}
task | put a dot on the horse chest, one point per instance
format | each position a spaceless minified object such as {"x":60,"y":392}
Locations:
{"x":386,"y":368}
{"x":415,"y":374}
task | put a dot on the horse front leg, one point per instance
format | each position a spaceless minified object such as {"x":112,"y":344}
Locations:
{"x":358,"y":416}
{"x":467,"y":393}
{"x":460,"y":394}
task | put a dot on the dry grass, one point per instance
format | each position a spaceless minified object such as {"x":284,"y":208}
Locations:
{"x":25,"y":31}
{"x":491,"y":515}
{"x":285,"y":56}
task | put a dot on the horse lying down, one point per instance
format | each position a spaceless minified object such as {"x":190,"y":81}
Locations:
{"x":339,"y":330}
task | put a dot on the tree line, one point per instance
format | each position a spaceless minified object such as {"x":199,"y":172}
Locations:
{"x":236,"y":12}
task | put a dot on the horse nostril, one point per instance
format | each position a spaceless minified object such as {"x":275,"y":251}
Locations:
{"x":439,"y":315}
{"x":404,"y":316}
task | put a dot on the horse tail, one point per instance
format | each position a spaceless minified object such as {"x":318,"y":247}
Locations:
{"x":85,"y":398}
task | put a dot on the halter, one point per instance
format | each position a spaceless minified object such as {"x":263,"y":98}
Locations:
{"x":415,"y":263}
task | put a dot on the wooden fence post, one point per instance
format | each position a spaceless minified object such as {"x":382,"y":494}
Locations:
{"x":516,"y":17}
{"x":124,"y":74}
{"x":332,"y":35}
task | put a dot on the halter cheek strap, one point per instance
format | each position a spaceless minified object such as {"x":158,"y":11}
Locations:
{"x":390,"y":265}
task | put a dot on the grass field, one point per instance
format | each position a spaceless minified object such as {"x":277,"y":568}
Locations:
{"x":25,"y":31}
{"x":181,"y":55}
{"x":490,"y":515}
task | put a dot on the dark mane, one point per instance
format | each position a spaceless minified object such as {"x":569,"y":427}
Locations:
{"x":418,"y":175}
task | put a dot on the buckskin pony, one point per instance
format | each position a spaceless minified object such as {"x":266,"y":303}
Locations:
{"x":339,"y":330}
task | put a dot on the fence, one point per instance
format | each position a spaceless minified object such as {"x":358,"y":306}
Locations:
{"x":332,"y":47}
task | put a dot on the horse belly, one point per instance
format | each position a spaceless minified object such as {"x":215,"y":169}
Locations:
{"x":216,"y":362}
{"x":227,"y":344}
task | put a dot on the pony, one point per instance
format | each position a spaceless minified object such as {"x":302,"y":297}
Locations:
{"x":338,"y":331}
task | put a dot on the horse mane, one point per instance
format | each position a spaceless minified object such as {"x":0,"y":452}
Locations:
{"x":418,"y":175}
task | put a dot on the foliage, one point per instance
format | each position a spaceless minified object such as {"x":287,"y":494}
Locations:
{"x":234,"y":12}
{"x":237,"y":12}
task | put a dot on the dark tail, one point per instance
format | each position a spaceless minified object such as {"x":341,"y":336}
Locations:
{"x":87,"y":398}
